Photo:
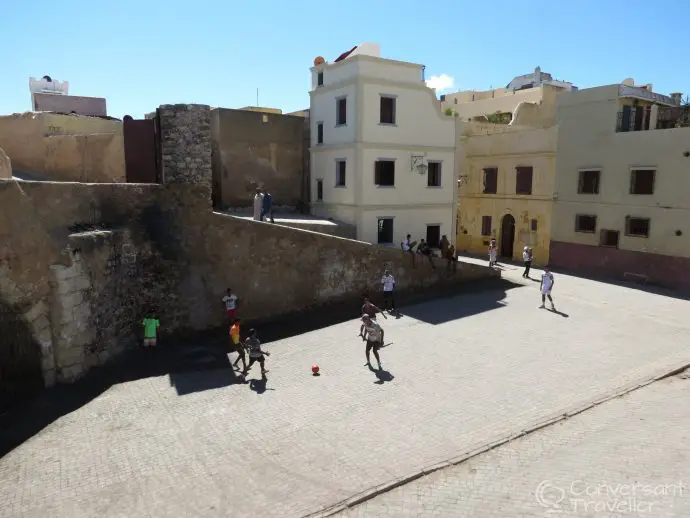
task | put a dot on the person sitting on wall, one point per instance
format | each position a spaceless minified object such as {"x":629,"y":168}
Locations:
{"x":425,"y":249}
{"x":267,"y":206}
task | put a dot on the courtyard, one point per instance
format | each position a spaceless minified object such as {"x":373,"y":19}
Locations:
{"x":461,"y":374}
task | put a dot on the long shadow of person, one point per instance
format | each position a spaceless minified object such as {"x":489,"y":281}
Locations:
{"x":555,"y":311}
{"x":382,"y":376}
{"x":259,"y":386}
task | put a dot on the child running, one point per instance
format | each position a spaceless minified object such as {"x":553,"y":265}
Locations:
{"x":373,"y":334}
{"x":151,"y":325}
{"x":236,"y":344}
{"x":256,"y":354}
{"x":369,"y":309}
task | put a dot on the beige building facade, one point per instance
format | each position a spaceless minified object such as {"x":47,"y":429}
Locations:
{"x":382,"y":152}
{"x":623,"y":185}
{"x":506,"y":180}
{"x":473,"y":105}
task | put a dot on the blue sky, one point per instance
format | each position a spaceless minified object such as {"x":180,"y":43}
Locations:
{"x":139,"y":54}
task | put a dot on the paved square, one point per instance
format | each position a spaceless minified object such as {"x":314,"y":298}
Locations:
{"x":627,"y":457}
{"x":462,"y":372}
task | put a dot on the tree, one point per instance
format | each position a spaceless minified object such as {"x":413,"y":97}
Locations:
{"x":451,"y":113}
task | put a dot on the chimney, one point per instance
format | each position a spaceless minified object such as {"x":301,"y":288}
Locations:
{"x":677,"y":97}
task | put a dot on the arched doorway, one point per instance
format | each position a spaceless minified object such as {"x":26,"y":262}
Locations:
{"x":507,"y":236}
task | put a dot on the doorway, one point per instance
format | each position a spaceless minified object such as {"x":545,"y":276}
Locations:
{"x":433,"y":235}
{"x":507,"y":236}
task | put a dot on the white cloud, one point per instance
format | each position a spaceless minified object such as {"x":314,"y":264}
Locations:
{"x":440,"y":83}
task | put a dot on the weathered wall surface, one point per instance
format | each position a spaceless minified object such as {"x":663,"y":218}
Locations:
{"x":94,"y":106}
{"x":258,"y":150}
{"x":63,"y":147}
{"x":5,"y":165}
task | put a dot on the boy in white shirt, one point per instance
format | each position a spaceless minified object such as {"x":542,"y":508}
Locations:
{"x":546,"y":285}
{"x":230,"y":303}
{"x":388,"y":282}
{"x":373,"y":334}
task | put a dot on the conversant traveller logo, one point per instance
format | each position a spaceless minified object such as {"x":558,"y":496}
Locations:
{"x":636,"y":498}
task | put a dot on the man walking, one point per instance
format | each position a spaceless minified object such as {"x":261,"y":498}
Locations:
{"x":527,"y":258}
{"x":388,"y":282}
{"x":258,"y":204}
{"x":546,"y":285}
{"x":267,"y":206}
{"x":373,"y":335}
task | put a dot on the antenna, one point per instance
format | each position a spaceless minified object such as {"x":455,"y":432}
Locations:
{"x":257,"y":97}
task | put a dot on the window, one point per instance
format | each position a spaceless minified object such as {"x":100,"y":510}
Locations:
{"x":588,"y":182}
{"x":387,"y":110}
{"x":486,"y":225}
{"x":523,"y":180}
{"x":340,"y":168}
{"x":636,"y":227}
{"x":319,"y":79}
{"x":385,"y":231}
{"x":319,"y":133}
{"x":642,"y":181}
{"x":319,"y":190}
{"x":533,"y":225}
{"x":490,"y":180}
{"x":384,"y":173}
{"x":609,"y":238}
{"x":433,"y":235}
{"x":585,"y":223}
{"x":341,"y":112}
{"x":433,"y":177}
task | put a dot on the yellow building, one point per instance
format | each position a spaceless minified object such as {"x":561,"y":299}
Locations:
{"x":506,"y":177}
{"x":623,"y":185}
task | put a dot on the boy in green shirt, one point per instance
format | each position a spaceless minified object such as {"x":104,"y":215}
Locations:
{"x":151,"y":325}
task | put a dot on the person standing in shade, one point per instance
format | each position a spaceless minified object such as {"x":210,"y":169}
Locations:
{"x":527,"y":258}
{"x":236,"y":344}
{"x":230,"y":301}
{"x":267,"y":206}
{"x":373,"y":335}
{"x":388,"y":282}
{"x":258,"y":204}
{"x":547,"y":282}
{"x":151,"y":325}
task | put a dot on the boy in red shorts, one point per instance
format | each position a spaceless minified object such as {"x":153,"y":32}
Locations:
{"x":230,"y":302}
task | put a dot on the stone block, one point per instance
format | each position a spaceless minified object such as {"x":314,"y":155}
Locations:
{"x":70,"y":373}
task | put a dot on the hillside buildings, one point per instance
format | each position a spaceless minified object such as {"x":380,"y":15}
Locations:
{"x":382,"y":152}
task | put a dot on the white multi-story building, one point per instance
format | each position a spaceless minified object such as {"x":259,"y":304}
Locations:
{"x":382,"y":152}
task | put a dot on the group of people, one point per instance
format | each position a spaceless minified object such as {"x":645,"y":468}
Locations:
{"x":424,"y":249}
{"x":263,"y":205}
{"x":250,"y":346}
{"x":547,"y":280}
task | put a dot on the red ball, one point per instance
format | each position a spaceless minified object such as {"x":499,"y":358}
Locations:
{"x":315,"y":369}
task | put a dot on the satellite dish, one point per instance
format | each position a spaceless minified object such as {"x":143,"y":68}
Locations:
{"x":48,"y":78}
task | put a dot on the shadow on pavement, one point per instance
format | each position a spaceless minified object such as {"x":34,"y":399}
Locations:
{"x":194,"y":362}
{"x":463,"y":305}
{"x":383,"y":376}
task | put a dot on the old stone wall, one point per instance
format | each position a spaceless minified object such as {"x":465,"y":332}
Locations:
{"x":186,"y":144}
{"x":5,"y":165}
{"x":64,"y":147}
{"x":255,"y":149}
